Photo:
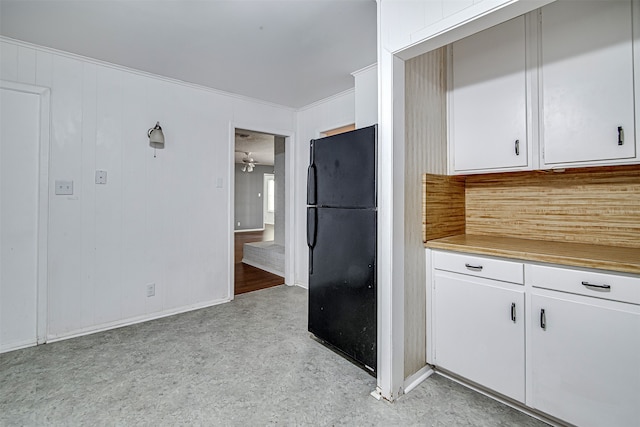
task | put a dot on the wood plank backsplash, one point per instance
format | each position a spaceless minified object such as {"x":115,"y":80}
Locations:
{"x":443,"y":209}
{"x":588,"y":205}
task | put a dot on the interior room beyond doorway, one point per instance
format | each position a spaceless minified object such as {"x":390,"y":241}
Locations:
{"x":259,"y":220}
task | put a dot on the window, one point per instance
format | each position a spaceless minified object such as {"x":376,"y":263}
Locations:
{"x":271,"y":199}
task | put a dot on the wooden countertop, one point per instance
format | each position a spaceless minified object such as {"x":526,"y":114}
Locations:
{"x":626,"y":260}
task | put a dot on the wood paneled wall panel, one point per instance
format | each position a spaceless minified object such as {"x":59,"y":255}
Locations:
{"x":159,"y":220}
{"x":426,"y":113}
{"x":425,"y":150}
{"x":588,"y":205}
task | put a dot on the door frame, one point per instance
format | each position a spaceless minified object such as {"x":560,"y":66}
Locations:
{"x":44,"y":94}
{"x":289,"y":204}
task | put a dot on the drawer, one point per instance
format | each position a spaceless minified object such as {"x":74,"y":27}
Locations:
{"x":473,"y":265}
{"x":600,"y":285}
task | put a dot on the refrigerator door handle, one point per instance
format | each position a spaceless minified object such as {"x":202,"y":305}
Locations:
{"x":312,"y":219}
{"x":312,"y":222}
{"x":311,"y":184}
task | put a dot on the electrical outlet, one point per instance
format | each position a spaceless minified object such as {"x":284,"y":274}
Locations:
{"x":64,"y":188}
{"x":151,"y":289}
{"x":238,"y":223}
{"x":101,"y":177}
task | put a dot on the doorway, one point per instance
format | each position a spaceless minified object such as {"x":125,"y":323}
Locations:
{"x":24,"y":157}
{"x":259,"y":220}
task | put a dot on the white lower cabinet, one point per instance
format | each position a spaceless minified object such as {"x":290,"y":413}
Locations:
{"x":479,"y":331}
{"x":585,"y":360}
{"x":585,"y":346}
{"x":570,"y":349}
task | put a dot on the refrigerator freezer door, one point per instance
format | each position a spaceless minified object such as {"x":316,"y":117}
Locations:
{"x":342,"y":286}
{"x":344,"y":170}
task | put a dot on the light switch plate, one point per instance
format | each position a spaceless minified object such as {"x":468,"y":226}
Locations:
{"x":101,"y":177}
{"x":64,"y":188}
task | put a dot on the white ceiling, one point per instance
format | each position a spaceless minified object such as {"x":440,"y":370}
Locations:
{"x":289,"y":52}
{"x":260,"y":147}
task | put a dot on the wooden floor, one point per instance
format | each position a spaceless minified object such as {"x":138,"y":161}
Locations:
{"x":248,"y":278}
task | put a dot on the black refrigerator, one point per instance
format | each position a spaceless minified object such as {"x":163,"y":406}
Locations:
{"x":342,"y":236}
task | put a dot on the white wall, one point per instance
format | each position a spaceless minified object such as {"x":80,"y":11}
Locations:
{"x":279,"y":171}
{"x":250,"y":197}
{"x":157,"y":220}
{"x":413,"y":27}
{"x":366,"y":87}
{"x":325,"y":115}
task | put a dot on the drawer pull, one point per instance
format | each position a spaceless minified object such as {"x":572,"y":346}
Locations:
{"x":601,"y":288}
{"x":513,"y":312}
{"x":620,"y":135}
{"x":474,"y":267}
{"x":517,"y":146}
{"x":543,"y":320}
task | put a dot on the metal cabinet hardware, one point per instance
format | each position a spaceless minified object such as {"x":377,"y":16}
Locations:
{"x":474,"y":267}
{"x":517,"y":144}
{"x":513,"y":312}
{"x":620,"y":135}
{"x":543,"y":319}
{"x":603,"y":288}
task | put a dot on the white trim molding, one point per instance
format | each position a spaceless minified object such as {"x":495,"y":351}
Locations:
{"x":44,"y":94}
{"x":289,"y":233}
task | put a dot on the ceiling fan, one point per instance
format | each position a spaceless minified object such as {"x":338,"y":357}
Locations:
{"x":247,"y":162}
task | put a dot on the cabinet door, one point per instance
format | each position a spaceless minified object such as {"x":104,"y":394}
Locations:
{"x":587,"y":81}
{"x":475,"y":335}
{"x":584,"y":363}
{"x":488,"y":114}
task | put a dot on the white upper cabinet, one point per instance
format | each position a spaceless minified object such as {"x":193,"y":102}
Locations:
{"x":587,"y":92}
{"x":488,"y":100}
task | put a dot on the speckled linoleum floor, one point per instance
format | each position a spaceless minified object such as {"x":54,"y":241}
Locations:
{"x":248,"y":362}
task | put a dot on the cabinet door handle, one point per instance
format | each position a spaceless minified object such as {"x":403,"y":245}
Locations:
{"x":603,"y":288}
{"x":543,"y":319}
{"x":620,"y":135}
{"x":517,"y":144}
{"x":474,"y":267}
{"x":513,"y":312}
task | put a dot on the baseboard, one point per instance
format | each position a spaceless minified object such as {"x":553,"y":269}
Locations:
{"x":263,"y":267}
{"x":248,"y":230}
{"x":518,"y":406}
{"x":17,"y":346}
{"x":301,"y":285}
{"x":414,"y":380}
{"x":51,"y":338}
